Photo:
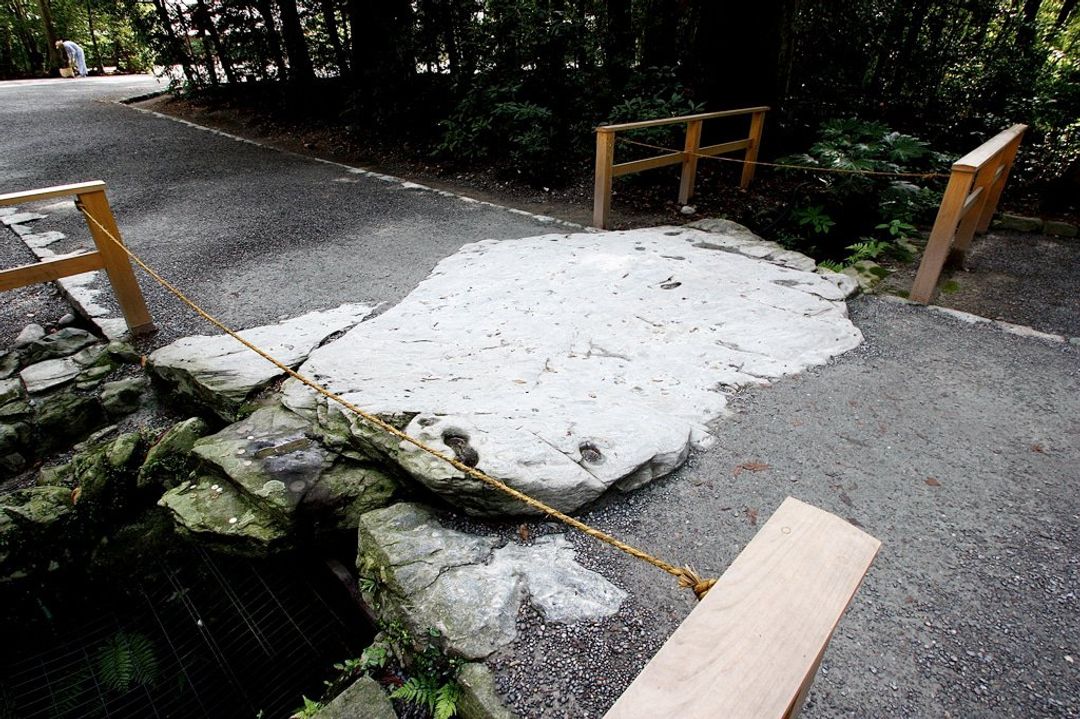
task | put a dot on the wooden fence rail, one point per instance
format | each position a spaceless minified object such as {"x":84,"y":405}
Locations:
{"x":91,"y":197}
{"x":968,"y":205}
{"x":607,"y":170}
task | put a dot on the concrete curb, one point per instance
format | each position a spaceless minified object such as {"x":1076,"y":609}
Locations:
{"x":971,"y":319}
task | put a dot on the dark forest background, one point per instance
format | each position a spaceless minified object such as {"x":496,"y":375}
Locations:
{"x":520,"y":84}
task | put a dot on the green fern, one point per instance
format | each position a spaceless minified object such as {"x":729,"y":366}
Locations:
{"x":127,"y":660}
{"x":446,"y":699}
{"x":440,"y":700}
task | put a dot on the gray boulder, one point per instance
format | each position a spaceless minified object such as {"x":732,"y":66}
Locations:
{"x":124,"y":396}
{"x":221,"y":375}
{"x":467,"y":587}
{"x":62,"y":343}
{"x":66,"y":417}
{"x":363,"y":699}
{"x":479,"y":699}
{"x":30,"y":333}
{"x":49,"y":374}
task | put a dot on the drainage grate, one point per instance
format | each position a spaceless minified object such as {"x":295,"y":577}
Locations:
{"x":200,"y":635}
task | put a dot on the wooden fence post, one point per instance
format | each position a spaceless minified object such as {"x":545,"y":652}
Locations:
{"x":941,"y":237}
{"x":116,"y":262}
{"x":757,"y":124}
{"x":965,"y":231}
{"x":605,"y":158}
{"x":690,"y":160}
{"x":990,"y":206}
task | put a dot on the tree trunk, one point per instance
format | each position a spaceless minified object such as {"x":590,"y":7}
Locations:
{"x":658,"y":41}
{"x":618,"y":44}
{"x":1068,"y":7}
{"x":301,"y":72}
{"x":50,"y":35}
{"x":330,"y":21}
{"x":33,"y":52}
{"x":383,"y":59}
{"x":175,"y":47}
{"x":266,"y":11}
{"x":93,"y":37}
{"x":206,"y":25}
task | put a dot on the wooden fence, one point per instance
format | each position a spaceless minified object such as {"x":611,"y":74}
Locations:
{"x":607,"y":170}
{"x":967,"y":207}
{"x":91,"y":197}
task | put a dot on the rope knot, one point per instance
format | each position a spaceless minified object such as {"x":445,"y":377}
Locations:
{"x":689,"y":579}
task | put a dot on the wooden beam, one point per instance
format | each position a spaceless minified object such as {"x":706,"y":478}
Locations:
{"x":605,"y":156}
{"x":725,"y":147}
{"x":49,"y":270}
{"x":749,"y":650}
{"x":18,"y":198}
{"x":757,"y":125}
{"x":116,"y":263}
{"x":1000,"y":178}
{"x":992,"y":147}
{"x":941,"y":236}
{"x":626,"y":168}
{"x":682,"y":118}
{"x":689,"y":161}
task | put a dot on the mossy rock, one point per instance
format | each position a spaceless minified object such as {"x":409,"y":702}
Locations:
{"x":67,"y":417}
{"x":167,"y":460}
{"x":212,"y":511}
{"x":105,"y":474}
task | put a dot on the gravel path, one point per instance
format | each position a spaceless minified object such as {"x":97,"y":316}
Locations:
{"x":41,"y":304}
{"x":1026,"y":279}
{"x":958,"y":446}
{"x":253,"y":233}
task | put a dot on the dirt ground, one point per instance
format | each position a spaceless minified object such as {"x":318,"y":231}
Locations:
{"x":1031,"y":280}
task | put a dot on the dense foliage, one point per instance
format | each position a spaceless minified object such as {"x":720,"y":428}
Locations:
{"x":521,"y":83}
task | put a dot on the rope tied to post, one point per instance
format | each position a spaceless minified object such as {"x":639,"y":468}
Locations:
{"x":687,"y":577}
{"x":787,"y":166}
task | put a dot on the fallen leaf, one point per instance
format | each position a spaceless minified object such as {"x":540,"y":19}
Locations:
{"x":75,"y":494}
{"x":846,"y":499}
{"x":523,"y":532}
{"x":933,"y":482}
{"x":1038,"y":448}
{"x":751,"y":514}
{"x":749,"y":467}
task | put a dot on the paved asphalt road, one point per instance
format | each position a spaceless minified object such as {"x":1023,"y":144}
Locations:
{"x":253,"y":233}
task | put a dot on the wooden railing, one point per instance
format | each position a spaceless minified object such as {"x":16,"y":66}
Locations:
{"x":967,"y":207}
{"x":91,"y":197}
{"x":607,"y":170}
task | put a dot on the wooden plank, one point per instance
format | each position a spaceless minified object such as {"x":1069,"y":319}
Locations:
{"x":725,"y":147}
{"x":116,"y":263}
{"x":18,"y":198}
{"x":941,"y":236}
{"x":689,"y":161}
{"x":750,"y":648}
{"x":992,"y":147}
{"x":757,"y":124}
{"x":682,"y":118}
{"x":971,"y":201}
{"x":605,"y":156}
{"x":626,"y":168}
{"x":1001,"y":177}
{"x":49,"y":270}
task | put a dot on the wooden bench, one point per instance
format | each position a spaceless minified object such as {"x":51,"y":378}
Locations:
{"x":752,"y":647}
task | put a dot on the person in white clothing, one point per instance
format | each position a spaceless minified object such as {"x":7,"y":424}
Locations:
{"x":75,"y":55}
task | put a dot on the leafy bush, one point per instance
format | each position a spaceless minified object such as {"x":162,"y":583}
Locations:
{"x":845,"y":217}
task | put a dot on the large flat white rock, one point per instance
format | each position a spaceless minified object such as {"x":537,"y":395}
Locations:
{"x":565,"y":364}
{"x":220,"y":373}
